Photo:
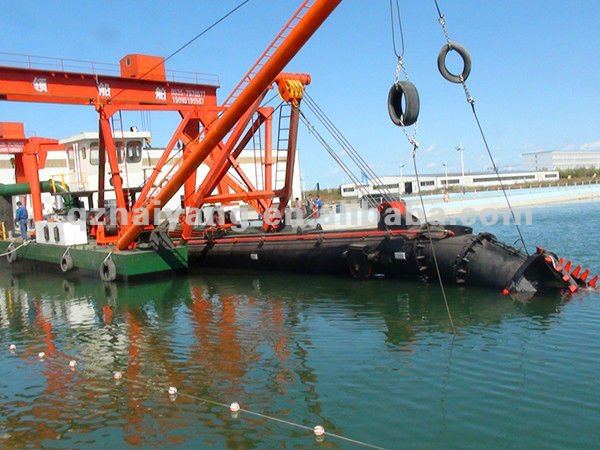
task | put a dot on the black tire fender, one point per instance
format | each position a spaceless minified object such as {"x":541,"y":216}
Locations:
{"x":108,"y":270}
{"x":66,"y":262}
{"x":466,"y":59}
{"x":11,"y":256}
{"x":403,"y":116}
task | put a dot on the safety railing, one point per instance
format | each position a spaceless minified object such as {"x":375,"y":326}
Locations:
{"x":26,"y":61}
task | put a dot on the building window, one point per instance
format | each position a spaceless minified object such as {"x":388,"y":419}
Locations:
{"x":348,"y":189}
{"x":428,"y":183}
{"x":381,"y":187}
{"x":492,"y":179}
{"x":454,"y":181}
{"x":551,"y":175}
{"x":134,"y":152}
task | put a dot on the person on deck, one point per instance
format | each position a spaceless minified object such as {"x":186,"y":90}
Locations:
{"x":21,"y":220}
{"x":297,"y":212}
{"x":309,"y":206}
{"x":318,"y":206}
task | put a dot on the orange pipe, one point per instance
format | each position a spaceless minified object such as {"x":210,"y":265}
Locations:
{"x":111,"y":152}
{"x":290,"y":159}
{"x":30,"y":166}
{"x":291,"y":45}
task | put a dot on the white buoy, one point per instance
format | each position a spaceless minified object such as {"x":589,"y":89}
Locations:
{"x":172,"y":390}
{"x":41,"y":355}
{"x":319,"y":431}
{"x":12,"y":348}
{"x":72,"y":364}
{"x":117,"y":375}
{"x":234,"y":407}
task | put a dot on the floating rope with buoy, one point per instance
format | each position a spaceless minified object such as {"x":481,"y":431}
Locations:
{"x":173,"y":392}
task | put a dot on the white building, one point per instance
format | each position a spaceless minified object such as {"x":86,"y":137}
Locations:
{"x":408,"y":184}
{"x":77,"y":166}
{"x":561,"y":160}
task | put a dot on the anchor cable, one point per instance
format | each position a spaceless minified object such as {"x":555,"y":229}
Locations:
{"x":352,"y":153}
{"x":401,"y":53}
{"x":312,"y":130}
{"x":189,"y":42}
{"x":432,"y":247}
{"x":471,"y":100}
{"x":24,"y":244}
{"x":412,"y":140}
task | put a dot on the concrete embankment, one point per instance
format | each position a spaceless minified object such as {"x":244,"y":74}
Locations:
{"x":459,"y":204}
{"x":474,"y":202}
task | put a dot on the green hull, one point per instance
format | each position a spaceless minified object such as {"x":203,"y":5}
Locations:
{"x":88,"y":258}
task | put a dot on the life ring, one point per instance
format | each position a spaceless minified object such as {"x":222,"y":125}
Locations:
{"x":108,"y":270}
{"x":66,"y":262}
{"x":410,"y":113}
{"x":466,"y":59}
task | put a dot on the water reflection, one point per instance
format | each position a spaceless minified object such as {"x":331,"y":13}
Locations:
{"x":257,"y":339}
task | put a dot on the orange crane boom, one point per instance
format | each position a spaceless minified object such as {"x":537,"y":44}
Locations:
{"x":290,"y":46}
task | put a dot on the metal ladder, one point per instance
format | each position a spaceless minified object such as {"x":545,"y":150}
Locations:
{"x":283,"y":133}
{"x":274,"y":45}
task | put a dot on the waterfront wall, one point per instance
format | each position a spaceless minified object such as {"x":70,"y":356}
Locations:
{"x":479,"y":201}
{"x":458,"y":204}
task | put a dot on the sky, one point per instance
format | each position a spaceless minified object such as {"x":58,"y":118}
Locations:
{"x":535,"y":76}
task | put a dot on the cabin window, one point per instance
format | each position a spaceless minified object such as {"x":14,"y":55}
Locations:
{"x":82,"y":153}
{"x":134,"y":152}
{"x":120,"y":152}
{"x":94,"y":153}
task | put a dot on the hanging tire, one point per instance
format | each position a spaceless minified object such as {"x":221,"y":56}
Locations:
{"x":466,"y":59}
{"x":410,"y":113}
{"x":108,"y":270}
{"x":66,"y":262}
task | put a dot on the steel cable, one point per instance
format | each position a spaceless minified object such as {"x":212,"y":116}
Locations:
{"x":471,"y":102}
{"x":336,"y":157}
{"x":188,"y":43}
{"x":412,"y":140}
{"x":352,"y":153}
{"x":433,"y":252}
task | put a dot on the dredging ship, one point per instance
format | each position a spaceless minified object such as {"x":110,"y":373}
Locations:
{"x":213,"y":135}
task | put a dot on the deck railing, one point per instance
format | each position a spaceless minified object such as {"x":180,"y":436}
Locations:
{"x":95,"y":68}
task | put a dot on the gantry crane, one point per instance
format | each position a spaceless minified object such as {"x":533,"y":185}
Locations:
{"x":142,"y":85}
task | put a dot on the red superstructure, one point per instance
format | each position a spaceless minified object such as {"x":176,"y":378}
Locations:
{"x":211,"y":134}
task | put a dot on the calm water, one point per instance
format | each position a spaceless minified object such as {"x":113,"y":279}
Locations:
{"x":373,"y":361}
